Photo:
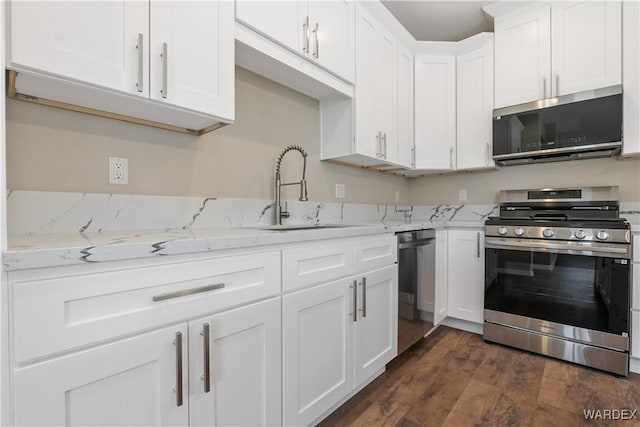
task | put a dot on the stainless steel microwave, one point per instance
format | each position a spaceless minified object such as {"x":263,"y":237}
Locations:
{"x":577,"y":126}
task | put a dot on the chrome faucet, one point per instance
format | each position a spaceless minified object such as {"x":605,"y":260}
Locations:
{"x":277,"y":208}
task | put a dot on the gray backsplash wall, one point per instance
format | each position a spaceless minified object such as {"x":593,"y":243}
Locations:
{"x":483,"y":186}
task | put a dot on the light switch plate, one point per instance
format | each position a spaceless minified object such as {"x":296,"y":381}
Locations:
{"x":340,"y":191}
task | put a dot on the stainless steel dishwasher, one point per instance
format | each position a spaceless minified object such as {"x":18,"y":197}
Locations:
{"x":416,"y":279}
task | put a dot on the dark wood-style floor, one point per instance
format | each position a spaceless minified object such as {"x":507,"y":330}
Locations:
{"x":454,"y":378}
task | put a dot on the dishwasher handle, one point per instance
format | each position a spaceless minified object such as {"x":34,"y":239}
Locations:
{"x":415,"y":244}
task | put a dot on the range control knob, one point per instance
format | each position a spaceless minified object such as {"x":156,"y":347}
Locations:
{"x":502,"y":231}
{"x":580,"y":234}
{"x":547,"y":232}
{"x":519,"y":231}
{"x":602,"y":235}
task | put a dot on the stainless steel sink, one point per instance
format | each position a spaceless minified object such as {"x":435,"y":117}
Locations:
{"x":292,"y":227}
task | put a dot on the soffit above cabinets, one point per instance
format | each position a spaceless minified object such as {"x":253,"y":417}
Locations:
{"x":441,"y":20}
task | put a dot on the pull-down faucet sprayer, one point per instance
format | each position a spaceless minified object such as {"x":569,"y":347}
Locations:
{"x":277,"y":208}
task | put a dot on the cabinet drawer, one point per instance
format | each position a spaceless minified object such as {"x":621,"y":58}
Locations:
{"x":375,"y":253}
{"x":306,"y":266}
{"x":635,"y":250}
{"x":65,"y":312}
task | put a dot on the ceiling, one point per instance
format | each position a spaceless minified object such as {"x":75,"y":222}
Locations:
{"x":441,"y":20}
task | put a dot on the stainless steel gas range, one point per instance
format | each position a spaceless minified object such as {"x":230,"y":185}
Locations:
{"x":557,"y":275}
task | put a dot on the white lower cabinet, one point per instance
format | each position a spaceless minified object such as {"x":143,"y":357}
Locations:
{"x":441,"y":292}
{"x":336,"y":336}
{"x":158,"y":378}
{"x":466,"y":275}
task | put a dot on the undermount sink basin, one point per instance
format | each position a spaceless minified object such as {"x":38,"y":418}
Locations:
{"x":292,"y":227}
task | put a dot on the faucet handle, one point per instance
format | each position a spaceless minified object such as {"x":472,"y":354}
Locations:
{"x":285,"y":213}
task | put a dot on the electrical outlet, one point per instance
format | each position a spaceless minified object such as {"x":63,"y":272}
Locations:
{"x":462,"y":195}
{"x":118,"y":170}
{"x":397,"y":196}
{"x":340,"y":191}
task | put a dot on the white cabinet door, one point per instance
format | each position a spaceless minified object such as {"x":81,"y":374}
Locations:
{"x":281,"y":21}
{"x":317,"y":350}
{"x":243,"y":349}
{"x":403,"y":155}
{"x":331,"y":38}
{"x":375,"y":87}
{"x":376,"y":326}
{"x":91,"y":42}
{"x":522,"y":56}
{"x":586,"y":45}
{"x":192,"y":55}
{"x":466,"y":275}
{"x":474,"y":108}
{"x":440,"y":298}
{"x":126,"y":383}
{"x":435,"y":111}
{"x":631,"y":78}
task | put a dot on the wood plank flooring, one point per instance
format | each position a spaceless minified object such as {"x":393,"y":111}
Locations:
{"x":454,"y":378}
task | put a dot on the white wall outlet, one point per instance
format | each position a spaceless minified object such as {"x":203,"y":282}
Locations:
{"x":462,"y":195}
{"x":118,"y":170}
{"x":340,"y":191}
{"x":397,"y":196}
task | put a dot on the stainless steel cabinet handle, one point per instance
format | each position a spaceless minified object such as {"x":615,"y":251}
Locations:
{"x":451,"y":157}
{"x":355,"y":300}
{"x":557,"y":84}
{"x":186,"y":292}
{"x":140,"y":47}
{"x":178,"y":344}
{"x":207,"y":354}
{"x":478,"y":244}
{"x":384,"y":138}
{"x":364,"y":297}
{"x":165,"y":70}
{"x":413,"y":157}
{"x":544,"y":87}
{"x":378,"y":144}
{"x":305,"y":34}
{"x":488,"y":154}
{"x":316,"y":54}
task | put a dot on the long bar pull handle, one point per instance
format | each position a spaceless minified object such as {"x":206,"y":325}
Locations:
{"x":355,"y":300}
{"x":451,"y":158}
{"x":305,"y":34}
{"x":364,"y":297}
{"x":140,"y":47}
{"x":178,"y":344}
{"x":207,"y":355}
{"x":544,"y":87}
{"x":488,"y":154}
{"x":185,"y":292}
{"x":557,"y":84}
{"x":384,"y":138}
{"x":478,"y":244}
{"x":165,"y":70}
{"x":413,"y":157}
{"x":316,"y":53}
{"x":378,"y":144}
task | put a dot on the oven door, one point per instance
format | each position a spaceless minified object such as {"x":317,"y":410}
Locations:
{"x":576,"y":290}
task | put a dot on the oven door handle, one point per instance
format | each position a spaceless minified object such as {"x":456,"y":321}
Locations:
{"x":572,"y":248}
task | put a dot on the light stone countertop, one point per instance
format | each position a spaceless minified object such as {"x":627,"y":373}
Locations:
{"x":52,"y":250}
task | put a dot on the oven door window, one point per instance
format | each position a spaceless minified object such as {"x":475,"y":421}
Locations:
{"x":583,"y":291}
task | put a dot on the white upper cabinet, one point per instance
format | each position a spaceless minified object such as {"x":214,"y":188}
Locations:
{"x":403,"y":155}
{"x":631,"y":82}
{"x":191,"y":55}
{"x":375,"y":93}
{"x":586,"y":50}
{"x":474,"y":108}
{"x":435,"y":111}
{"x":113,"y":57}
{"x":321,"y":31}
{"x":551,"y":49}
{"x":95,"y":42}
{"x":523,"y":56}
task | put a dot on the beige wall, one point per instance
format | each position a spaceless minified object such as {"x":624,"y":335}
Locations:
{"x":56,"y":150}
{"x":483,"y":187}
